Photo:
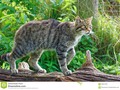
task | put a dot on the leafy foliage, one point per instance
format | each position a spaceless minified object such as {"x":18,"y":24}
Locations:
{"x":104,"y":46}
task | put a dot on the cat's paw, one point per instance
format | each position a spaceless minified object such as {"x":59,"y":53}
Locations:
{"x":14,"y":71}
{"x":68,"y":72}
{"x":41,"y":71}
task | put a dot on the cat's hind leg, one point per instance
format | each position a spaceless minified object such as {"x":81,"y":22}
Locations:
{"x":70,"y":55}
{"x":33,"y":61}
{"x":11,"y":57}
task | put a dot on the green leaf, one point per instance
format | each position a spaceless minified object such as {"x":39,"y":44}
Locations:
{"x":53,"y":1}
{"x":6,"y":26}
{"x":59,"y":2}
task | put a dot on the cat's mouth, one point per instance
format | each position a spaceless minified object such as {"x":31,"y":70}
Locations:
{"x":89,"y":32}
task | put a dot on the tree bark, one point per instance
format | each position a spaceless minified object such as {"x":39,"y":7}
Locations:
{"x":86,"y":73}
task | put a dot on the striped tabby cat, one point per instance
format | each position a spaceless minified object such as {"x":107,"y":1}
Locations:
{"x":36,"y":36}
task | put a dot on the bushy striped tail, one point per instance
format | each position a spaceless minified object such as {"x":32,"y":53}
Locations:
{"x":5,"y":57}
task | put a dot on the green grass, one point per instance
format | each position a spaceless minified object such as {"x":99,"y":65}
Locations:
{"x":108,"y":43}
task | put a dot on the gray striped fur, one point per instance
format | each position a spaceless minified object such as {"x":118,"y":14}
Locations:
{"x":37,"y":36}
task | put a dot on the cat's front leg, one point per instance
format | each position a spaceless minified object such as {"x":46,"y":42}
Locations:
{"x":71,"y":54}
{"x":62,"y":55}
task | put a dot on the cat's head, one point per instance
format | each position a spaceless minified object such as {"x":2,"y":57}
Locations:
{"x":83,"y":26}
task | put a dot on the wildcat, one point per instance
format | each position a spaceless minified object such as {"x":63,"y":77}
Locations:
{"x":36,"y":36}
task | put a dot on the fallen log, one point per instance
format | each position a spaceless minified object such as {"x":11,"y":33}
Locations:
{"x":86,"y":73}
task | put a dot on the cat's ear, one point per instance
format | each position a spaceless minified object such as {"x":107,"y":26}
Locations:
{"x":77,"y":21}
{"x":89,"y":20}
